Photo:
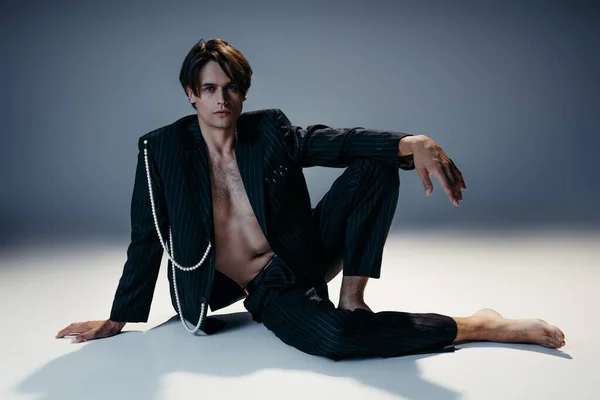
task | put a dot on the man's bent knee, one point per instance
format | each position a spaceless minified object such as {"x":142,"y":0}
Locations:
{"x":372,"y":171}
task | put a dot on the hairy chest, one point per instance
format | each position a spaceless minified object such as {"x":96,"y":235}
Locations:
{"x":228,"y":192}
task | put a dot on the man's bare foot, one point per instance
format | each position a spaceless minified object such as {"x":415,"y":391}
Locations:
{"x":489,"y":325}
{"x":353,"y":304}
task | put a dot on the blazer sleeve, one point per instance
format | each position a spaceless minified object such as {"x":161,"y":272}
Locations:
{"x":320,"y":145}
{"x":136,"y":287}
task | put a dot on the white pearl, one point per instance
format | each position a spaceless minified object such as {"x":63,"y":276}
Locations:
{"x":172,"y":254}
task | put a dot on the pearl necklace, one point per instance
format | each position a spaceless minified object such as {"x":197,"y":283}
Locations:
{"x":172,"y":254}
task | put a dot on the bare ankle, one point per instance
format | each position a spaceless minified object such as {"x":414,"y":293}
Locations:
{"x":353,"y":288}
{"x":470,"y":329}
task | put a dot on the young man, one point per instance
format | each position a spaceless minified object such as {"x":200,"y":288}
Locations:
{"x":224,"y":195}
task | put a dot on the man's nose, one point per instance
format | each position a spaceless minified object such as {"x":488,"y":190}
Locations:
{"x":222,"y":95}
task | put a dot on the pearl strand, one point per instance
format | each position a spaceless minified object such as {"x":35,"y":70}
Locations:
{"x":172,"y":254}
{"x":190,"y":330}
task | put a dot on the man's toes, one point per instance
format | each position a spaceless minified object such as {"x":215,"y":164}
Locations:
{"x":552,"y":343}
{"x":556,"y":333}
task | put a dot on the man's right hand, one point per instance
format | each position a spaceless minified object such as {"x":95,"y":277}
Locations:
{"x":83,"y":331}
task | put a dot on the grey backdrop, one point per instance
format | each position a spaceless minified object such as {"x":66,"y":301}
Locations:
{"x":508,"y":89}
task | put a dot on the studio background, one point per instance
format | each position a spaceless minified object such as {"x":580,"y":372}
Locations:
{"x":508,"y":89}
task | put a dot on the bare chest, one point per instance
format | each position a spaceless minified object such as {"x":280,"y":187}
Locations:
{"x":228,"y":193}
{"x":241,"y":247}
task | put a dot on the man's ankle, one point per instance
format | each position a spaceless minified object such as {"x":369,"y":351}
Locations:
{"x":353,"y":288}
{"x":470,"y":329}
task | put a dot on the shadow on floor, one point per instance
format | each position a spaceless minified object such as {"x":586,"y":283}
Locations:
{"x":132,"y":364}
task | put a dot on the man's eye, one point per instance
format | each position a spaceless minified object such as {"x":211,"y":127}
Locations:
{"x":233,"y":88}
{"x":209,"y":89}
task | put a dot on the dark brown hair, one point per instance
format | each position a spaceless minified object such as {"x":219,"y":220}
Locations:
{"x":231,"y":61}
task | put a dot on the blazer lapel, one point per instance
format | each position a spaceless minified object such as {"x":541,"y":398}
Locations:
{"x":197,"y":175}
{"x":249,"y":155}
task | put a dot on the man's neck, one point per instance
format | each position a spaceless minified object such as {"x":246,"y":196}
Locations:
{"x":219,"y":142}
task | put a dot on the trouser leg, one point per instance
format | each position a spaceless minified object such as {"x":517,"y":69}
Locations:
{"x":300,"y":318}
{"x":353,"y":220}
{"x":354,"y":217}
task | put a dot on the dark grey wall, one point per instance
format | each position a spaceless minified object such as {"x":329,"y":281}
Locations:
{"x":509,"y":90}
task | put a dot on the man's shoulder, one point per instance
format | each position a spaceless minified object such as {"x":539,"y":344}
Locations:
{"x":171,"y":129}
{"x":265,"y":122}
{"x":264,"y":115}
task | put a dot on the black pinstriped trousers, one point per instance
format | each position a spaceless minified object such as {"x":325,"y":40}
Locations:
{"x":353,"y":220}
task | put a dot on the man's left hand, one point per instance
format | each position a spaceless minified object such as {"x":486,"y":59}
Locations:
{"x":430,"y":159}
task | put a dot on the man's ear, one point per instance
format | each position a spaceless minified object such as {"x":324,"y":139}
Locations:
{"x":189,"y":92}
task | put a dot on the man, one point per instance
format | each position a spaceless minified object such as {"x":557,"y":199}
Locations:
{"x":224,"y":195}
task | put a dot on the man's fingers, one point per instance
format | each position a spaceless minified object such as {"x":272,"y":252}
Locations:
{"x":62,"y":333}
{"x":101,"y":331}
{"x":441,"y":177}
{"x":460,"y":183}
{"x":427,"y":185}
{"x":91,"y":334}
{"x":452,"y":181}
{"x":447,"y":169}
{"x":76,"y":327}
{"x":455,"y":179}
{"x":460,"y":176}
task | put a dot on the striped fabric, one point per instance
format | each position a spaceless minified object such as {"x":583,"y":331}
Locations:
{"x":271,"y":154}
{"x":315,"y":326}
{"x":352,"y":222}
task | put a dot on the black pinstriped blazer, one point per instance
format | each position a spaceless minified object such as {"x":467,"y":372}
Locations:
{"x":270,"y":153}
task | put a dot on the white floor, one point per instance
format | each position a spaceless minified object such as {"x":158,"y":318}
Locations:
{"x":554,"y":277}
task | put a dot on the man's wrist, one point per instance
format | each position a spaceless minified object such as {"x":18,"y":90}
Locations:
{"x":116,"y":325}
{"x":406,"y":146}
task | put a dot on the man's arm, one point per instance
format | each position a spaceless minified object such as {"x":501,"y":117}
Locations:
{"x":320,"y":145}
{"x":136,"y":287}
{"x":134,"y":294}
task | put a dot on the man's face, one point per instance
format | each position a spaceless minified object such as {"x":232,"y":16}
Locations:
{"x":216,"y":93}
